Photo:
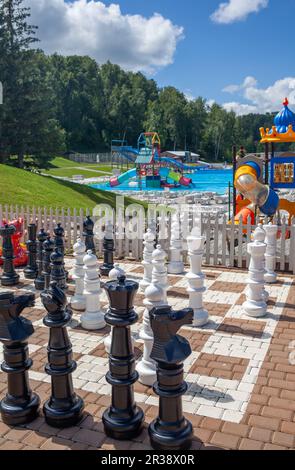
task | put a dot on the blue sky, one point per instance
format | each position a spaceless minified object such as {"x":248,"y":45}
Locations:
{"x":202,"y":59}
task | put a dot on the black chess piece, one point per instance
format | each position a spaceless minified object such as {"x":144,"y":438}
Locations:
{"x":31,"y":270}
{"x":40,"y":281}
{"x":20,"y":405}
{"x":9,"y":275}
{"x":88,"y":233}
{"x":57,"y":272}
{"x":48,"y":247}
{"x":123,"y":420}
{"x":64,"y":408}
{"x":59,"y":243}
{"x":170,"y":431}
{"x":108,"y":252}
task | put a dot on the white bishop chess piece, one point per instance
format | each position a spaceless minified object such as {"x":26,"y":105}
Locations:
{"x":114,"y":274}
{"x":149,"y":244}
{"x":78,"y":300}
{"x":93,"y":317}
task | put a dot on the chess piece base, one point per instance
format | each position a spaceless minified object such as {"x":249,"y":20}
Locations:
{"x":170,"y":440}
{"x":14,"y":415}
{"x":270,"y":278}
{"x":255,"y":309}
{"x":64,"y":418}
{"x":30,"y":274}
{"x":93,"y":321}
{"x":201,"y":318}
{"x":123,"y":429}
{"x":176,"y":268}
{"x":147,"y":375}
{"x":8,"y":281}
{"x":78,"y":304}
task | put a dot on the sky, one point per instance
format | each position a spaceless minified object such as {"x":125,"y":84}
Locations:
{"x":238,"y":53}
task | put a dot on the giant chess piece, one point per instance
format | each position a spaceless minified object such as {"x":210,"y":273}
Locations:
{"x":40,"y":280}
{"x":57,"y":272}
{"x":170,"y":431}
{"x":114,"y":275}
{"x":59,"y":236}
{"x":176,"y":265}
{"x":31,"y":270}
{"x":270,"y":276}
{"x":78,"y":300}
{"x":155,"y":296}
{"x":255,"y":305}
{"x":108,"y":251}
{"x":196,"y":278}
{"x":20,"y":405}
{"x":64,"y":408}
{"x":123,"y":419}
{"x":9,"y":275}
{"x":88,"y":233}
{"x":48,"y":248}
{"x":149,"y":246}
{"x":93,"y":317}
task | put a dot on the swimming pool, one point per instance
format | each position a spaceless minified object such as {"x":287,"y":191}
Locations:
{"x":207,"y":180}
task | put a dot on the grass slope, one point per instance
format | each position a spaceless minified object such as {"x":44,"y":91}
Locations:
{"x":60,"y":166}
{"x":20,"y":187}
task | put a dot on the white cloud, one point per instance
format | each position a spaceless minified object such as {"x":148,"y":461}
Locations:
{"x":239,"y":108}
{"x":237,"y":10}
{"x":248,"y":82}
{"x":105,"y":33}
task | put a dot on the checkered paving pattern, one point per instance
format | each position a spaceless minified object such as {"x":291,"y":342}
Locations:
{"x":241,"y":386}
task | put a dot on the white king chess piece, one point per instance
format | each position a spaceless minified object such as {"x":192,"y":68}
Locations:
{"x":93,"y":317}
{"x":149,"y":244}
{"x":78,"y":300}
{"x":271,"y":230}
{"x":176,"y":265}
{"x":114,"y":274}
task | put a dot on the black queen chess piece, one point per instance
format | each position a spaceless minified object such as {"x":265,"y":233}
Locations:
{"x":64,"y":408}
{"x":123,"y":420}
{"x":40,"y":281}
{"x":19,"y":406}
{"x":31,"y":270}
{"x":88,"y":234}
{"x":170,"y":431}
{"x":9,"y":275}
{"x":108,"y":251}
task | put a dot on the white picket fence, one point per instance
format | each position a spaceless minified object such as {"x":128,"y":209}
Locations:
{"x":225,"y":245}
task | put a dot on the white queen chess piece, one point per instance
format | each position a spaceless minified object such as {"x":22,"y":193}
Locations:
{"x":78,"y":300}
{"x":93,"y":317}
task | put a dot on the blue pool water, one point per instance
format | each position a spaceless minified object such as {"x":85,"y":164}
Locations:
{"x":207,"y":180}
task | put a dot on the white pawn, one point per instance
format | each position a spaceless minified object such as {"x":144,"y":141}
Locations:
{"x":93,"y":317}
{"x":196,"y":278}
{"x":114,"y":274}
{"x":271,"y":253}
{"x":155,"y":296}
{"x":149,"y":243}
{"x":255,"y":305}
{"x":176,"y":265}
{"x":78,"y":300}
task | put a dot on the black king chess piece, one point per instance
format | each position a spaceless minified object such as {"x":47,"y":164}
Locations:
{"x":40,"y":281}
{"x":88,"y":234}
{"x":9,"y":276}
{"x":31,"y":270}
{"x":57,"y":272}
{"x":108,"y":251}
{"x":48,"y":247}
{"x":170,"y":431}
{"x":123,"y":419}
{"x":20,"y":405}
{"x":64,"y":408}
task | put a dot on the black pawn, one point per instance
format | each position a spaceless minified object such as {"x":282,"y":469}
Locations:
{"x":40,"y":281}
{"x":59,"y":235}
{"x":31,"y":270}
{"x":88,"y":233}
{"x":48,"y":248}
{"x":57,"y":272}
{"x":170,"y":431}
{"x":108,"y":254}
{"x":64,"y":408}
{"x":20,"y":405}
{"x":123,"y":420}
{"x":9,"y":276}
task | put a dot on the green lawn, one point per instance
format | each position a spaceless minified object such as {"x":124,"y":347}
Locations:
{"x":63,"y":167}
{"x":70,"y":172}
{"x":20,"y":187}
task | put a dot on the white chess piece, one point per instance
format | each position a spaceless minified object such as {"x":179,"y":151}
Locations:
{"x":271,"y":230}
{"x":149,"y":243}
{"x":155,"y":296}
{"x":78,"y":300}
{"x":114,"y":274}
{"x":176,"y":265}
{"x":196,"y":277}
{"x":255,"y":305}
{"x":93,"y":317}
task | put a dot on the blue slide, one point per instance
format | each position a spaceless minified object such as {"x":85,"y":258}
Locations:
{"x":125,"y":151}
{"x":177,"y":164}
{"x":117,"y":180}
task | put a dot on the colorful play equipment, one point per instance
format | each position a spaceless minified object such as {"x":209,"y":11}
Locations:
{"x":257,"y":187}
{"x":19,"y":249}
{"x":157,"y":171}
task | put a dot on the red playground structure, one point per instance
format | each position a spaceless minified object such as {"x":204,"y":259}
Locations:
{"x":19,"y":249}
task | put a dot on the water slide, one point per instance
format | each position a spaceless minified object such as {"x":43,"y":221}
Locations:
{"x":177,"y":177}
{"x":126,"y":151}
{"x":117,"y":180}
{"x":177,"y":164}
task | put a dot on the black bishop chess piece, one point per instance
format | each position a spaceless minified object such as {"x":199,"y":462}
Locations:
{"x":31,"y":270}
{"x":88,"y":233}
{"x":108,"y":251}
{"x":170,"y":431}
{"x":59,"y":243}
{"x":57,"y":272}
{"x":9,"y":276}
{"x":64,"y":408}
{"x":48,"y":248}
{"x":40,"y":281}
{"x":123,"y":420}
{"x":20,"y":405}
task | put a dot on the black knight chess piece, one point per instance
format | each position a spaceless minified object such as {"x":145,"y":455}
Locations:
{"x":48,"y":247}
{"x":88,"y":233}
{"x":108,"y":251}
{"x":57,"y":272}
{"x":20,"y":405}
{"x":170,"y":431}
{"x":31,"y":270}
{"x":40,"y":281}
{"x":9,"y":275}
{"x":64,"y":408}
{"x":123,"y":420}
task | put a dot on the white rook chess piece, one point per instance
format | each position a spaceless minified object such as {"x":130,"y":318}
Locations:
{"x":78,"y":300}
{"x":114,"y":274}
{"x":255,"y":305}
{"x":149,"y":246}
{"x":93,"y":317}
{"x":196,"y":278}
{"x":155,"y":296}
{"x":271,"y":253}
{"x":176,"y":265}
